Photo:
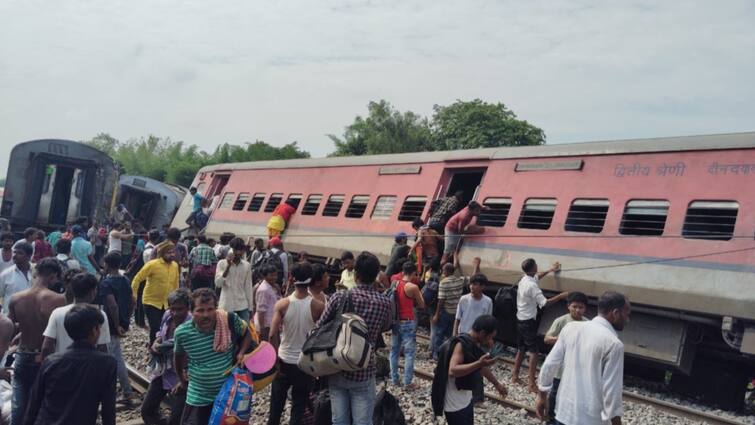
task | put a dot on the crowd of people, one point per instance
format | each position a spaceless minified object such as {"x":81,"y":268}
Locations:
{"x":69,"y":299}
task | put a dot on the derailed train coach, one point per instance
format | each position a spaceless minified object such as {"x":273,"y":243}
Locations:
{"x":149,"y":201}
{"x":667,"y":221}
{"x":52,"y":182}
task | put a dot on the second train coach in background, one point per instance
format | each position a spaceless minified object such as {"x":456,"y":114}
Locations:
{"x":667,"y":221}
{"x":54,"y":182}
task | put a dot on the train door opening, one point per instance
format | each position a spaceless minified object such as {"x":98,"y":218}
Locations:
{"x":62,"y":193}
{"x":467,"y":181}
{"x":142,"y":204}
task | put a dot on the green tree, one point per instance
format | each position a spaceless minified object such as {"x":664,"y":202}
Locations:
{"x":384,"y":130}
{"x":175,"y":162}
{"x":478,"y":124}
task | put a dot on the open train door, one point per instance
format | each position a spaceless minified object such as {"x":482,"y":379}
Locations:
{"x":461,"y":179}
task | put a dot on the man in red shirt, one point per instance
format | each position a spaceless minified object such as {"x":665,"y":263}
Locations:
{"x":458,"y":226}
{"x":281,"y":215}
{"x":408,"y":296}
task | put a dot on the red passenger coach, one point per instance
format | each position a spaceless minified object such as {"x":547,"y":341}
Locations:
{"x":670,"y":222}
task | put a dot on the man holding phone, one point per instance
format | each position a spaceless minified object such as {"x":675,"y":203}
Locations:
{"x":234,"y":279}
{"x":462,"y":363}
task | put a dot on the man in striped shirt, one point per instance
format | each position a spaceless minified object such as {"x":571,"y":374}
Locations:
{"x":208,"y":365}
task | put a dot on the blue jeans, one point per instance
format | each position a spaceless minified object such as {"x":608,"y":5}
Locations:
{"x":404,"y":334}
{"x":351,"y":401}
{"x":25,"y":370}
{"x":114,"y":349}
{"x":441,"y":331}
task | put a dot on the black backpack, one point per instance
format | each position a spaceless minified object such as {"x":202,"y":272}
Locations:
{"x":504,"y":305}
{"x":269,"y":258}
{"x":387,"y":410}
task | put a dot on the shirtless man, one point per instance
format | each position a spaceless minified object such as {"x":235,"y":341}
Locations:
{"x":30,"y":310}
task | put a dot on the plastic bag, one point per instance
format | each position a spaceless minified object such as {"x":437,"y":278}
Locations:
{"x":233,"y":405}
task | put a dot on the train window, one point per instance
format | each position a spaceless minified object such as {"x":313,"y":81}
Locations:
{"x":587,"y":215}
{"x":496,"y":214}
{"x":412,"y":208}
{"x":333,"y":206}
{"x":537,"y":213}
{"x":358,"y":206}
{"x":294,"y":199}
{"x":312,"y":204}
{"x":383,"y":207}
{"x":273,"y":202}
{"x":713,"y":220}
{"x":227,"y":200}
{"x":240,"y":202}
{"x":644,"y":218}
{"x":256,"y":202}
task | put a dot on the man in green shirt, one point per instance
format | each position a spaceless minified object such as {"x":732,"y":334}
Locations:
{"x":208,"y":363}
{"x":576,"y":302}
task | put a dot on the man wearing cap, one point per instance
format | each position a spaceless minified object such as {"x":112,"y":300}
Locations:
{"x":399,"y":254}
{"x":161,"y":276}
{"x":81,"y":250}
{"x":276,"y":248}
{"x":296,"y":315}
{"x":234,"y":279}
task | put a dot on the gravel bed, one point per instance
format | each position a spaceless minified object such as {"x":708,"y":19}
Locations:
{"x":416,"y":404}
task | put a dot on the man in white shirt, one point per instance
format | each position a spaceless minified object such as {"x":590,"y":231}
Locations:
{"x":528,"y":298}
{"x":592,"y":357}
{"x":17,"y":278}
{"x":153,"y":238}
{"x":234,"y":279}
{"x":56,"y":338}
{"x":30,"y":235}
{"x":117,"y":236}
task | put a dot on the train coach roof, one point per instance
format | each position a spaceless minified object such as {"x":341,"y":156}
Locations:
{"x":660,"y":144}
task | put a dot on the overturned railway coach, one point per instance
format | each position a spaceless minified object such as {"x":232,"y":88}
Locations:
{"x":150,"y":201}
{"x":669,"y":221}
{"x":54,"y":182}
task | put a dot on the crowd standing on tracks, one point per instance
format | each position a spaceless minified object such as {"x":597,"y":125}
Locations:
{"x":69,"y":298}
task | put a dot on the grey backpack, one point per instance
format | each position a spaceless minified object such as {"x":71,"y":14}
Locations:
{"x":342,"y":344}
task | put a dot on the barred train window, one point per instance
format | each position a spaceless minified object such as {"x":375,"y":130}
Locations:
{"x":273,"y":202}
{"x":294,"y":199}
{"x":537,"y":213}
{"x":496,"y":214}
{"x":333,"y":206}
{"x":412,"y":208}
{"x":383,"y":207}
{"x":312,"y":204}
{"x":256,"y":202}
{"x":587,"y":215}
{"x":227,"y":200}
{"x":713,"y":220}
{"x":644,"y":218}
{"x":240,"y":201}
{"x":358,"y":206}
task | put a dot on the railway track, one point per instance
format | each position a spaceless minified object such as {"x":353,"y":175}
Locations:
{"x":671,"y":408}
{"x":140,"y":383}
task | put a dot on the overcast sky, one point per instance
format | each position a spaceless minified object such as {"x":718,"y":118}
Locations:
{"x":282,"y":71}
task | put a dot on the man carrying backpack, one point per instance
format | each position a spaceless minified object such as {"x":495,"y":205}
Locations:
{"x":404,"y":330}
{"x":352,"y":394}
{"x":63,"y":248}
{"x":278,"y":258}
{"x":450,"y":290}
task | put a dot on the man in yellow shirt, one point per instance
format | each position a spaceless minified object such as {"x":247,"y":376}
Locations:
{"x":162,"y":276}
